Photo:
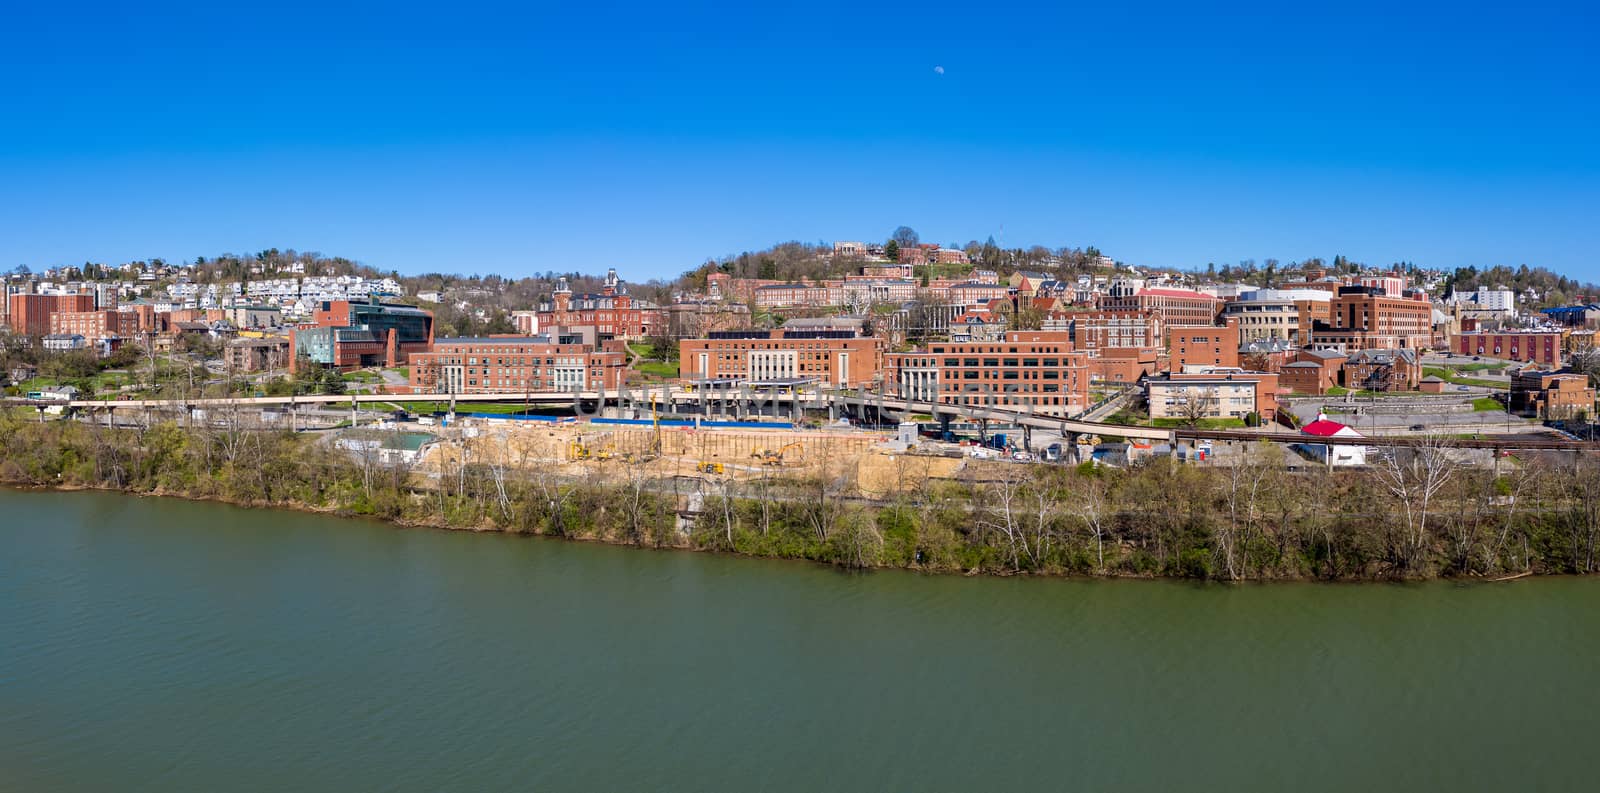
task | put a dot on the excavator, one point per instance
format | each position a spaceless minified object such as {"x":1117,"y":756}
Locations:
{"x":707,"y":467}
{"x":577,"y":451}
{"x":770,"y":457}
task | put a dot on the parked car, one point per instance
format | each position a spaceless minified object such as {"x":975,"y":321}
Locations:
{"x":1463,"y":388}
{"x":1417,"y":428}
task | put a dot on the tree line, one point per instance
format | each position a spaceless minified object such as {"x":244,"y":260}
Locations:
{"x":1414,"y":514}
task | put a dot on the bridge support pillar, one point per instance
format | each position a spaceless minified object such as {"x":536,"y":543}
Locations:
{"x":111,"y":420}
{"x":1027,"y":438}
{"x":944,"y":425}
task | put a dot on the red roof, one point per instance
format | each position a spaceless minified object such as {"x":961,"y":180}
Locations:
{"x":1175,"y":293}
{"x":1324,"y":428}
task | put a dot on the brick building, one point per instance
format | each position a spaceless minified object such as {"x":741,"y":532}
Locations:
{"x":1382,"y":370}
{"x":1541,"y":347}
{"x":1364,"y":318}
{"x":350,"y":334}
{"x":1033,"y":369}
{"x":29,"y":314}
{"x":1176,"y":306}
{"x":515,"y":365}
{"x":1311,"y":371}
{"x":254,"y":355}
{"x":96,"y":325}
{"x":1098,"y":330}
{"x":1552,"y":395}
{"x":834,"y":357}
{"x":612,"y":311}
{"x":1195,"y":347}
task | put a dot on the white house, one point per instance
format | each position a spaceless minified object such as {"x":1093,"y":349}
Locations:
{"x":1324,"y":432}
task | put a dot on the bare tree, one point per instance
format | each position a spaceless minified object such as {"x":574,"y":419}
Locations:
{"x":1414,"y":475}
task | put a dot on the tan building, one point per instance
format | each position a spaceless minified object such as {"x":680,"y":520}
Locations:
{"x":1217,"y":395}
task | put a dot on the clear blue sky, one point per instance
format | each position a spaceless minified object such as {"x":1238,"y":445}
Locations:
{"x":518,"y":138}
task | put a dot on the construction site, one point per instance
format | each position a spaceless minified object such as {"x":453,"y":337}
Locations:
{"x":875,"y":462}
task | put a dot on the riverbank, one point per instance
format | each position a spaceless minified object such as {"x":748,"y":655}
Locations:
{"x":1250,"y":521}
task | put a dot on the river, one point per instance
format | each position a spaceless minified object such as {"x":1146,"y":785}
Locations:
{"x":162,"y":645}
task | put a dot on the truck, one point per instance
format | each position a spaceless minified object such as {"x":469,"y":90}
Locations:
{"x":997,"y":441}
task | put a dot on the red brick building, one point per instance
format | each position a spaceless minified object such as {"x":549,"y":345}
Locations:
{"x":29,"y":315}
{"x":1193,"y":347}
{"x":612,"y":312}
{"x":96,"y":325}
{"x":1541,"y":347}
{"x":514,"y":365}
{"x":1311,"y":372}
{"x":1034,"y":369}
{"x":1382,"y":370}
{"x":1364,"y":318}
{"x":1176,"y":306}
{"x":834,"y":357}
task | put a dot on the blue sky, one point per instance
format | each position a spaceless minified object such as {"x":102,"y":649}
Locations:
{"x":525,"y":137}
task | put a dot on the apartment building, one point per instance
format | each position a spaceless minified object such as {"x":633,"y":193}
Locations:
{"x":30,"y":314}
{"x":1037,"y":370}
{"x":95,"y":325}
{"x":515,"y":365}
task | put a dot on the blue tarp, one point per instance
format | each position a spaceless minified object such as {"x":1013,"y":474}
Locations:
{"x":758,"y":425}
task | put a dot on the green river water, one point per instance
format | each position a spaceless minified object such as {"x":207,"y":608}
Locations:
{"x":160,"y":645}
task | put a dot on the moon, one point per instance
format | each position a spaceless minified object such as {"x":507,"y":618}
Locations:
{"x":938,"y":70}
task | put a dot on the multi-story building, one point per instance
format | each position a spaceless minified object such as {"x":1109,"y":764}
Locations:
{"x":1097,"y":330}
{"x":1552,"y":395}
{"x":1212,"y":395}
{"x":1366,"y":318}
{"x":95,"y":325}
{"x":1382,"y":370}
{"x":1037,"y":370}
{"x":1197,"y":347}
{"x":1176,"y":306}
{"x":255,"y":355}
{"x":1541,"y":347}
{"x":30,"y":314}
{"x":843,"y":358}
{"x":515,"y":365}
{"x":1284,"y":314}
{"x":1311,"y":371}
{"x":350,"y":335}
{"x":613,"y":312}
